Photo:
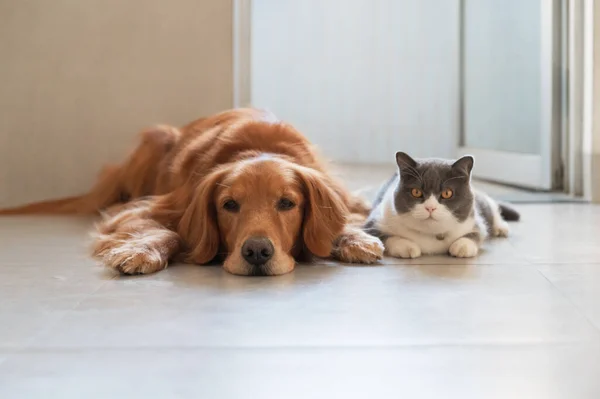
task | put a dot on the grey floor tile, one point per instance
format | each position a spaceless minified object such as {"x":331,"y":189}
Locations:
{"x":506,"y":372}
{"x":32,"y":301}
{"x":316,"y":305}
{"x":580,"y":284}
{"x":45,"y":244}
{"x":520,"y":321}
{"x":44,"y":272}
{"x":558,"y":233}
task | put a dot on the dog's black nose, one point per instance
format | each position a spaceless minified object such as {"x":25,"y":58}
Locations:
{"x":257,"y":250}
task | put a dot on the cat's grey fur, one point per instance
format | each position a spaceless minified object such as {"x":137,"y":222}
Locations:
{"x":457,"y":225}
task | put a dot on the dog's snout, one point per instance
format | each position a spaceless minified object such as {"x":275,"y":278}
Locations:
{"x":257,"y":250}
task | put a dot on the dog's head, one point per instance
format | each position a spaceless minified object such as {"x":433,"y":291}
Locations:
{"x":261,"y":213}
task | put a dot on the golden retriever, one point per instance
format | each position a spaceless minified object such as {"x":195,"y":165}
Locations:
{"x":240,"y":186}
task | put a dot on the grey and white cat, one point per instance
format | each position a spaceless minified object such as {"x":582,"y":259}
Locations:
{"x":429,"y":207}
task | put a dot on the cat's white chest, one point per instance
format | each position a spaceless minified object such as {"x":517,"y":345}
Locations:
{"x":436,"y":240}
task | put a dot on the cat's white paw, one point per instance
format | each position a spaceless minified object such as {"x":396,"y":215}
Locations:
{"x":463,"y":248}
{"x":402,"y":248}
{"x":500,"y":229}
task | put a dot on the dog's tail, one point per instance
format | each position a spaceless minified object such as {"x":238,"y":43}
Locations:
{"x":509,"y":213}
{"x":105,"y":192}
{"x":74,"y":205}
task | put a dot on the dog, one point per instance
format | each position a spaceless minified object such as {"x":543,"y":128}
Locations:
{"x":239,"y":187}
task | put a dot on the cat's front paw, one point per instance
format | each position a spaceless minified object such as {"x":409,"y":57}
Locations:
{"x":402,"y":248}
{"x":500,"y":229}
{"x":464,"y":248}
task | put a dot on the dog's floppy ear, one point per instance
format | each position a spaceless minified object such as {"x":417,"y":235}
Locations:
{"x":198,"y":226}
{"x":324,"y":214}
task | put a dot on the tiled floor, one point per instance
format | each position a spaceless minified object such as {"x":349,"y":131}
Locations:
{"x":520,"y":321}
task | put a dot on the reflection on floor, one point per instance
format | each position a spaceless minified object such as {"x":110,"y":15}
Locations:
{"x":520,"y":321}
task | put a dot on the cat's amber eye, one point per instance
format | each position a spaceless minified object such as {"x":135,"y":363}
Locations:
{"x":415,"y":192}
{"x":447,"y":193}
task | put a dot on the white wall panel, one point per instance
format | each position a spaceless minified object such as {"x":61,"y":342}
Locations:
{"x":362,"y":78}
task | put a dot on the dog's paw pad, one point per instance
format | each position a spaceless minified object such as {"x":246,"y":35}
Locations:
{"x":131,"y":259}
{"x":359,"y":248}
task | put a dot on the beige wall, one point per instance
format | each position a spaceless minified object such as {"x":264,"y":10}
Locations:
{"x":78,"y":79}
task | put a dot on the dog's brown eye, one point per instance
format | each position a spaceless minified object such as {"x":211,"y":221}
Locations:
{"x":231,"y":206}
{"x":285,"y":204}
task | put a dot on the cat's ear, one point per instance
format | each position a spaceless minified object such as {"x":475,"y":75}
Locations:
{"x":464,"y":165}
{"x":404,"y":160}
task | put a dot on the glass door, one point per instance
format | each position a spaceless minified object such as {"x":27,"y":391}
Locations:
{"x":510,"y":100}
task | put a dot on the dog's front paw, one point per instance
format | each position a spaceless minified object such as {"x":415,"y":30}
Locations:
{"x":464,"y":248}
{"x":402,"y":248}
{"x":358,"y":247}
{"x":129,"y":257}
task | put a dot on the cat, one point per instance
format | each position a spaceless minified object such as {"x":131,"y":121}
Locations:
{"x":429,"y":207}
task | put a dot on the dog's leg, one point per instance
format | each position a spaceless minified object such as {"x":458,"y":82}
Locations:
{"x":145,"y":171}
{"x":356,"y":246}
{"x":132,"y":242}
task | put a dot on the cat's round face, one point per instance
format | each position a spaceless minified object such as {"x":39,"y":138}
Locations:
{"x":434,"y":191}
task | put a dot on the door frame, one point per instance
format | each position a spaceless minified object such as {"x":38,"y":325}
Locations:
{"x":590,"y":142}
{"x":579,"y":136}
{"x":537,"y":171}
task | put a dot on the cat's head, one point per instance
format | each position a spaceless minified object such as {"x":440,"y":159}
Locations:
{"x":434,"y":191}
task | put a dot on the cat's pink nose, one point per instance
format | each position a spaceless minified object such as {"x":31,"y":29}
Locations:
{"x":430,"y":209}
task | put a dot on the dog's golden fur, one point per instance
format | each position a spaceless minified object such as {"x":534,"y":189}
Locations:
{"x":171,"y":199}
